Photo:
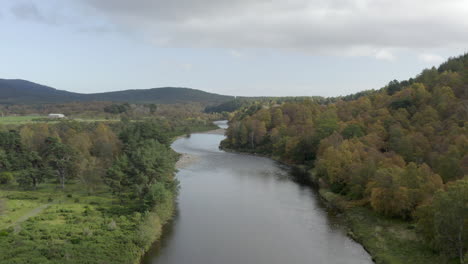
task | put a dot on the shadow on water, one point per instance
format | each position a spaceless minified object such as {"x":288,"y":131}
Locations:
{"x":168,"y":231}
{"x":302,"y":177}
{"x":235,"y":208}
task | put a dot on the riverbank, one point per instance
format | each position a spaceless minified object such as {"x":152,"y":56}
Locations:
{"x":387,"y":240}
{"x":247,"y":210}
{"x":48,"y":225}
{"x":186,"y":159}
{"x":79,"y":224}
{"x":152,"y":228}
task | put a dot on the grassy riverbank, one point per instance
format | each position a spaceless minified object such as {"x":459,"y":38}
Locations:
{"x":388,"y":240}
{"x":80,"y":224}
{"x":53,"y":226}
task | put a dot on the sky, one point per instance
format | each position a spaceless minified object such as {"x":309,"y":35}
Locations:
{"x":233,"y":47}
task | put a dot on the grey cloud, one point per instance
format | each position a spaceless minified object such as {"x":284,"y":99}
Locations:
{"x":27,"y":11}
{"x":354,"y":27}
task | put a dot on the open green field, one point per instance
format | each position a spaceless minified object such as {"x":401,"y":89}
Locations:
{"x":49,"y":225}
{"x":17,"y":120}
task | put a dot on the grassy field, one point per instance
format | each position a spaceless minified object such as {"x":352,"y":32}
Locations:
{"x":54,"y":226}
{"x":17,"y":120}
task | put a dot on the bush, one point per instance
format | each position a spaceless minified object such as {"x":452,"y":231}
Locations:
{"x":6,"y":177}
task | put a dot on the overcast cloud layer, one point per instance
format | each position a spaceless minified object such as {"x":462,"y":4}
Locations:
{"x":237,"y":47}
{"x":339,"y":27}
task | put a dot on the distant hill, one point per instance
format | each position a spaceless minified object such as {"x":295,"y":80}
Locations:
{"x":26,"y":92}
{"x":21,"y":91}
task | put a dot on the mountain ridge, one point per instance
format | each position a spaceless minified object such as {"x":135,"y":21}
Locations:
{"x":19,"y":91}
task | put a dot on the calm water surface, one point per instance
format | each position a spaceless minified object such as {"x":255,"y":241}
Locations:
{"x":240,"y":209}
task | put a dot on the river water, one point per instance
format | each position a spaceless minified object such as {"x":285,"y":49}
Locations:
{"x":242,"y":209}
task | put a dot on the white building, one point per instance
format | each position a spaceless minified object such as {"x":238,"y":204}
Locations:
{"x":56,"y":116}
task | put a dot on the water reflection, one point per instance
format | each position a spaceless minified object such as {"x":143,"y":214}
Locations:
{"x":243,"y":209}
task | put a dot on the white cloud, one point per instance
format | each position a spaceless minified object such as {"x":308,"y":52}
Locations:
{"x":236,"y":53}
{"x":431,"y":58}
{"x":385,"y":55}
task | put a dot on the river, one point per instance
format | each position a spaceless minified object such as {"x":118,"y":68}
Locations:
{"x":242,"y":209}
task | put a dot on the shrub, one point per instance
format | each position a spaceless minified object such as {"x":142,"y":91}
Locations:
{"x":6,"y":177}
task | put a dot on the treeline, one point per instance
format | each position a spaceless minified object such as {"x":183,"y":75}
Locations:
{"x":402,"y":150}
{"x":80,"y":192}
{"x":133,"y":159}
{"x":241,"y":102}
{"x":33,"y":154}
{"x":143,"y":175}
{"x":111,"y":110}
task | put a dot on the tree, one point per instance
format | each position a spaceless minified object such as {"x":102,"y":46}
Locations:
{"x":393,"y":87}
{"x":388,"y":196}
{"x":105,"y":144}
{"x":259,"y":131}
{"x":446,"y":219}
{"x":35,"y":172}
{"x":138,"y":169}
{"x":61,"y":158}
{"x":443,"y":99}
{"x":153,"y":108}
{"x":277,"y":118}
{"x":157,"y":194}
{"x":117,"y":108}
{"x":421,"y":183}
{"x":326,"y":124}
{"x":4,"y":161}
{"x":448,"y":166}
{"x":6,"y":177}
{"x":91,"y":172}
{"x":353,"y":130}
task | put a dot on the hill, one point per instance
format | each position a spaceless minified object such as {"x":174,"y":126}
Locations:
{"x":24,"y":92}
{"x":21,"y":91}
{"x":394,"y":160}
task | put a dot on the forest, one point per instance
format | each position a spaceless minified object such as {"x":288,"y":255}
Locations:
{"x":87,"y":192}
{"x":401,"y":152}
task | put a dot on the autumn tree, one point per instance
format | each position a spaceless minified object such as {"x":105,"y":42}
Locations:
{"x":388,"y":196}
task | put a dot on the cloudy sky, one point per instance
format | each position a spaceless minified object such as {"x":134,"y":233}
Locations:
{"x":236,"y":47}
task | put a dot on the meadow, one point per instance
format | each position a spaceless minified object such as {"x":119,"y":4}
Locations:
{"x":9,"y":120}
{"x":28,"y":119}
{"x":49,"y":225}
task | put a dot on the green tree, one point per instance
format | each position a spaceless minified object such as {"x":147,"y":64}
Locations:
{"x":61,"y":158}
{"x":6,"y":177}
{"x":445,"y":221}
{"x":353,"y":130}
{"x":138,"y":169}
{"x":35,"y":172}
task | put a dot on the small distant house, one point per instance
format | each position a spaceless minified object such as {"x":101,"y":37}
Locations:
{"x":56,"y":116}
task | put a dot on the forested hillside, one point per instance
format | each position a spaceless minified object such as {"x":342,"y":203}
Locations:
{"x":401,"y":151}
{"x":25,"y":92}
{"x":82,"y":192}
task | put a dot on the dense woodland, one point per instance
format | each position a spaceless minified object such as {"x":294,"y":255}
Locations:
{"x":105,"y":188}
{"x":401,"y":150}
